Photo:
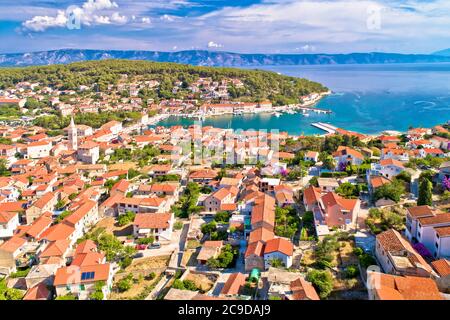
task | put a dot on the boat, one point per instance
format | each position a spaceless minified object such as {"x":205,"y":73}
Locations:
{"x":277,"y":114}
{"x":305,"y":114}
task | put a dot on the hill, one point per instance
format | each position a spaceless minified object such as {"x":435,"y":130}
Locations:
{"x":211,"y":58}
{"x":257,"y":85}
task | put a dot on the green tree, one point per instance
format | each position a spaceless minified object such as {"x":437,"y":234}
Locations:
{"x":425,"y":193}
{"x":322,"y":282}
{"x":393,"y":191}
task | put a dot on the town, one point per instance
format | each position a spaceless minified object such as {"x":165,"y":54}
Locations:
{"x":97,"y":201}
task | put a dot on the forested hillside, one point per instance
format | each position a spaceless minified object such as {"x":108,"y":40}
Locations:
{"x":258,"y":84}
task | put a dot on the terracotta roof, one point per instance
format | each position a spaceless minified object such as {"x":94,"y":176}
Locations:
{"x":395,"y":244}
{"x":12,"y":244}
{"x":5,"y":217}
{"x":256,"y":248}
{"x":39,"y":225}
{"x":86,"y":247}
{"x":279,"y":245}
{"x":203,"y":174}
{"x":436,"y":219}
{"x":378,"y":181}
{"x":390,"y":287}
{"x":59,"y":231}
{"x":38,"y":292}
{"x":57,"y":248}
{"x":442,"y":267}
{"x":260,"y":234}
{"x":74,"y":274}
{"x":311,"y":195}
{"x":303,"y":290}
{"x":152,"y":220}
{"x":233,"y":284}
{"x":420,"y":211}
{"x":42,"y":201}
{"x":443,"y":231}
{"x":121,"y":186}
{"x":391,"y":162}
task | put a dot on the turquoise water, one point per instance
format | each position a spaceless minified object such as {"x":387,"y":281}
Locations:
{"x":366,"y":98}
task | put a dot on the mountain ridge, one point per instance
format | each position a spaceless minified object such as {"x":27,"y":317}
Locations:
{"x":213,"y":58}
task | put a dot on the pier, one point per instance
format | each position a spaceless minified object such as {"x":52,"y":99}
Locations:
{"x":317,"y":110}
{"x":325,"y":127}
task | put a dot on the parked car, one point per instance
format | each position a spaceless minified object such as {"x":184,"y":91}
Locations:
{"x":141,"y":247}
{"x":138,"y":255}
{"x":155,"y":245}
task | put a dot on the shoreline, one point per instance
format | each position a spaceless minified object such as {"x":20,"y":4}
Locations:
{"x":295,"y":107}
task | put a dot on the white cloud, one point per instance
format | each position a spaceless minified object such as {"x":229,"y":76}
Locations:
{"x":91,"y":12}
{"x":41,"y":23}
{"x":213,"y":44}
{"x":146,"y":20}
{"x":306,"y":48}
{"x":118,"y":19}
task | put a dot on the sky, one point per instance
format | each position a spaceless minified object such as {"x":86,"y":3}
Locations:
{"x":245,"y":26}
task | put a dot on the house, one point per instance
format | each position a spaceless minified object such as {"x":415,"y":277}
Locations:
{"x":209,"y":250}
{"x":434,"y":152}
{"x":38,"y":292}
{"x":254,"y":255}
{"x":388,"y":168}
{"x":336,"y":211}
{"x":347,"y":156}
{"x":121,"y":187}
{"x":268,"y":184}
{"x":142,"y":205}
{"x":312,"y":156}
{"x":382,"y":286}
{"x":46,"y":203}
{"x":9,"y":221}
{"x":395,"y":153}
{"x":203,"y":177}
{"x":327,"y":184}
{"x":289,"y":285}
{"x":433,"y":233}
{"x":311,"y":197}
{"x":442,"y":269}
{"x":83,"y":281}
{"x":157,"y":225}
{"x":234,"y":285}
{"x":89,"y":152}
{"x":14,"y":252}
{"x":397,"y":256}
{"x":280,"y":249}
{"x":284,"y":195}
{"x":83,"y":218}
{"x":441,"y":242}
{"x":38,"y":149}
{"x":412,"y":215}
{"x":263,"y":213}
{"x":216,"y":200}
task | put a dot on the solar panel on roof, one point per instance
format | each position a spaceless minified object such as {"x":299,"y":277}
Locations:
{"x":87,"y":275}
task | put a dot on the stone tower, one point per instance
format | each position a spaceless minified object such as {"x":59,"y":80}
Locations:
{"x":73,"y":135}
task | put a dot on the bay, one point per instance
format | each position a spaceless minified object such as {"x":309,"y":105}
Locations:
{"x":366,"y":98}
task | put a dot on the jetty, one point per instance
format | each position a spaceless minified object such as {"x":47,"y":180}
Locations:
{"x":325,"y":127}
{"x":317,"y":110}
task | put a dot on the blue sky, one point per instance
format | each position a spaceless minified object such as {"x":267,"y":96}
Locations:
{"x":253,"y":26}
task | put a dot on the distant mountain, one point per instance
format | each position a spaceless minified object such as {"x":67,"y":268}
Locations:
{"x":212,"y":58}
{"x":445,"y":52}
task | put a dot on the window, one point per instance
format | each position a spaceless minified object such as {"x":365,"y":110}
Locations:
{"x":82,"y":287}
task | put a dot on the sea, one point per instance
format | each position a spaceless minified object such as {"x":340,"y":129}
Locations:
{"x":368,"y":99}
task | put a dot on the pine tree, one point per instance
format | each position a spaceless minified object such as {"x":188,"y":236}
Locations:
{"x":425,"y":193}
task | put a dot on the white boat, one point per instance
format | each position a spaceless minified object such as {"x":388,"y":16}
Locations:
{"x":306,"y":114}
{"x":277,"y":114}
